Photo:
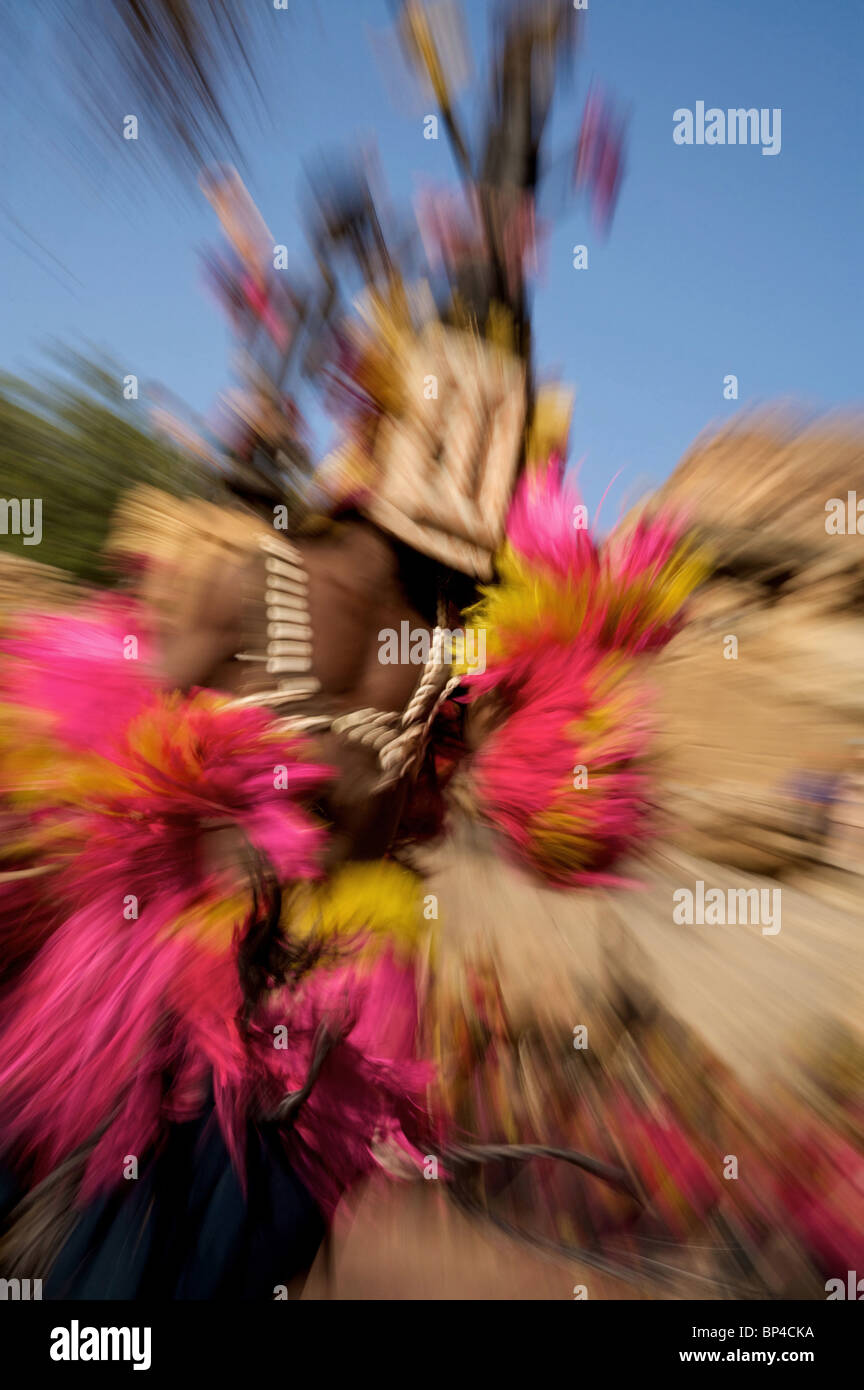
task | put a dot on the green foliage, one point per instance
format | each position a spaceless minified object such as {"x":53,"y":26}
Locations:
{"x":73,"y":441}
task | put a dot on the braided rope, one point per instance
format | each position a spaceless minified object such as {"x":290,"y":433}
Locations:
{"x":370,"y":727}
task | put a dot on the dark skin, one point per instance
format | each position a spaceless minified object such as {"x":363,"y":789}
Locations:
{"x":357,"y":587}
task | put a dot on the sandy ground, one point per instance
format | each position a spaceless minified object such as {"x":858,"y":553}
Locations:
{"x":409,"y":1242}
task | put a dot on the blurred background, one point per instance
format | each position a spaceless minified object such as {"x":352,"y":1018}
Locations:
{"x":715,"y":262}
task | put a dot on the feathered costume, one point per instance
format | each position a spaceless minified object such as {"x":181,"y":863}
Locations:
{"x":153,"y":1017}
{"x":128,"y":1025}
{"x":564,"y":623}
{"x":200,"y":1055}
{"x":129,"y":1014}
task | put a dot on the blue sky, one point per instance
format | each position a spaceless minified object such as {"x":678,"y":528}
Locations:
{"x":720,"y":260}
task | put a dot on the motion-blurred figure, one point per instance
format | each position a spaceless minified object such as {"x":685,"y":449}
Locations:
{"x":223,"y":800}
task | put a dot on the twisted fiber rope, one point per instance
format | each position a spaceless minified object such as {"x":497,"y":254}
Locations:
{"x":399,"y":740}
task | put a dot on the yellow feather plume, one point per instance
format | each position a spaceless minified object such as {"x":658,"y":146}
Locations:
{"x":381,"y":899}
